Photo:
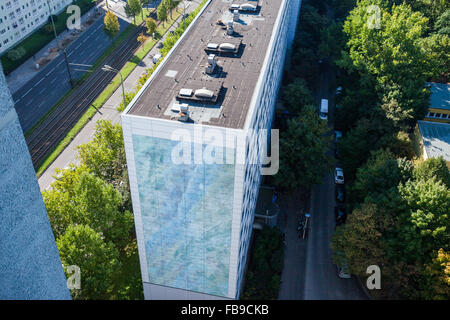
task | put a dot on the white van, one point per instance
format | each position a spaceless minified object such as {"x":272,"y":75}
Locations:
{"x":324,"y":109}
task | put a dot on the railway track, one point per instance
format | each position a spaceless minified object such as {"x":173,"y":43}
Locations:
{"x":42,"y":141}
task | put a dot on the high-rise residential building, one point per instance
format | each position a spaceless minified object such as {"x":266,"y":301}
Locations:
{"x":19,"y":18}
{"x":30,"y":267}
{"x":195,"y":139}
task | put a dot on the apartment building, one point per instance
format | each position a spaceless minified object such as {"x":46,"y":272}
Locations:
{"x":19,"y":18}
{"x":439,"y":110}
{"x":213,"y":95}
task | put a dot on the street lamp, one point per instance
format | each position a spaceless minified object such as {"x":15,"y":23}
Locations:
{"x":57,"y":43}
{"x":111,"y":69}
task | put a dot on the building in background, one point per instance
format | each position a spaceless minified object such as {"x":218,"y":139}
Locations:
{"x":439,"y":103}
{"x":435,"y":140}
{"x":30,"y":267}
{"x":194,"y":217}
{"x":19,"y":18}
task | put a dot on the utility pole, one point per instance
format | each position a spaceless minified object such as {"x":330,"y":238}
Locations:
{"x":59,"y":47}
{"x":111,"y":69}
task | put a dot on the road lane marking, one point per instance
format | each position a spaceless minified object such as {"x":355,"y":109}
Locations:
{"x":26,"y":93}
{"x":42,"y":79}
{"x":50,"y":72}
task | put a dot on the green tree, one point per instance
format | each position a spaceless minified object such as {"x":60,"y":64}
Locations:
{"x":302,"y":151}
{"x":433,"y":168}
{"x":426,"y":226}
{"x":98,"y":261}
{"x":162,"y":12}
{"x":393,"y":54}
{"x":151,"y":26}
{"x":360,"y":240}
{"x":104,"y":155}
{"x":133,"y":8}
{"x":436,"y":282}
{"x":442,"y":25}
{"x":332,"y":42}
{"x":296,"y":95}
{"x":79,"y":197}
{"x":111,"y":24}
{"x":356,"y":145}
{"x":171,"y":4}
{"x":380,"y":174}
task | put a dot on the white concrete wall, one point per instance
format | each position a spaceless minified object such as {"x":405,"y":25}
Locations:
{"x":260,"y":117}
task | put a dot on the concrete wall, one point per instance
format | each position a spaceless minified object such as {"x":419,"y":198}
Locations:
{"x":30,"y":267}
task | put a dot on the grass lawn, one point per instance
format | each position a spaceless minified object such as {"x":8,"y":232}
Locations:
{"x":41,"y":37}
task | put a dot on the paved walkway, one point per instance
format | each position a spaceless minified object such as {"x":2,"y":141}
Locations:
{"x":108,"y":111}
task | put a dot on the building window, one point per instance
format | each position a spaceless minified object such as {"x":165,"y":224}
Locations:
{"x":444,"y":116}
{"x":431,"y":114}
{"x":438,"y":115}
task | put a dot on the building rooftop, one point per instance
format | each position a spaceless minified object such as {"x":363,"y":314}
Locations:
{"x":230,"y":88}
{"x":436,"y":139}
{"x":440,"y":95}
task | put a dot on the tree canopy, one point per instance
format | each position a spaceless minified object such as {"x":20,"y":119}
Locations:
{"x":302,"y":151}
{"x":111,"y":24}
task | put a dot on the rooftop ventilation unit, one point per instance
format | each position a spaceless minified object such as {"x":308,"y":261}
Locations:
{"x":179,"y":107}
{"x":230,"y":29}
{"x":186,"y":92}
{"x":204,"y":93}
{"x":247,"y":7}
{"x":236,"y":15}
{"x":212,"y":64}
{"x":212,"y":46}
{"x":227,"y":47}
{"x":234,"y":7}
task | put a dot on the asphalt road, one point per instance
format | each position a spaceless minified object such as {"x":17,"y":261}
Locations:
{"x":309,"y":272}
{"x":321,"y":279}
{"x":38,"y":95}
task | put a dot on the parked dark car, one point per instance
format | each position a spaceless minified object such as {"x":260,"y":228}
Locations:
{"x":340,"y":215}
{"x":340,"y":193}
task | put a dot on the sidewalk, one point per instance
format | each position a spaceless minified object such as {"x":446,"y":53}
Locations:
{"x":19,"y":77}
{"x":108,"y":110}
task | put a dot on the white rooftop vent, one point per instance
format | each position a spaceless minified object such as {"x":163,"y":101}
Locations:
{"x":235,"y":7}
{"x":179,"y":107}
{"x":248,"y":7}
{"x":184,"y":108}
{"x":204,"y":93}
{"x":211,"y":58}
{"x":236,"y":15}
{"x":213,"y":46}
{"x":227,"y":47}
{"x":186,"y":92}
